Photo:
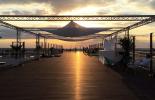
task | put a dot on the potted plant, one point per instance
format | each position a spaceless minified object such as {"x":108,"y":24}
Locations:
{"x":126,"y":44}
{"x":16,"y":48}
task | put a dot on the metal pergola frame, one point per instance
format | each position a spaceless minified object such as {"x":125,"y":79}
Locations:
{"x":142,"y":20}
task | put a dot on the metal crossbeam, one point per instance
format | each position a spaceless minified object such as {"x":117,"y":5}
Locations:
{"x":75,"y":18}
{"x":141,"y":23}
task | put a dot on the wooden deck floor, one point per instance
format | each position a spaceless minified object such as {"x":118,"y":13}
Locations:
{"x":73,"y":76}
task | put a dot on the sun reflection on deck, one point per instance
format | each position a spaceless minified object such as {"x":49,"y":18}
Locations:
{"x":78,"y":76}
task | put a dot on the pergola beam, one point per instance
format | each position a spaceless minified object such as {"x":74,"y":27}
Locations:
{"x":138,"y":24}
{"x":143,"y":20}
{"x":74,"y":18}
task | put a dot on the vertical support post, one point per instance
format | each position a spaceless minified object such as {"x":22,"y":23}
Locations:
{"x":125,"y":32}
{"x":44,"y":46}
{"x":38,"y":46}
{"x":128,"y":33}
{"x":115,"y":45}
{"x":133,"y":50}
{"x":103,"y":43}
{"x":37,"y":41}
{"x":151,"y":54}
{"x":48,"y":49}
{"x":17,"y":42}
{"x":23,"y":51}
{"x":17,"y":37}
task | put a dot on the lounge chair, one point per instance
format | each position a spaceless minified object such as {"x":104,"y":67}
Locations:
{"x":143,"y":64}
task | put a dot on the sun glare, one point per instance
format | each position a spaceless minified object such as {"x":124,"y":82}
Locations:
{"x":89,"y":10}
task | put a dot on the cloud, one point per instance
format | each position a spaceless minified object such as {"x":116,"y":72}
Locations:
{"x":72,"y":4}
{"x":26,"y":9}
{"x":60,"y":6}
{"x":57,"y":5}
{"x":24,"y":12}
{"x":146,"y":3}
{"x":15,"y":1}
{"x":152,"y":3}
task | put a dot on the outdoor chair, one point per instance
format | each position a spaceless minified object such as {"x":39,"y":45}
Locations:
{"x":142,"y":64}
